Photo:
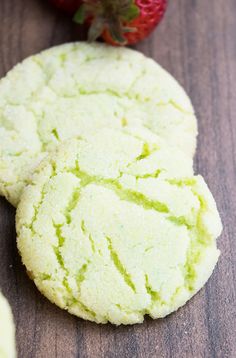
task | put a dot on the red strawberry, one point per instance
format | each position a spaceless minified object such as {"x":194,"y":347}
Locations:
{"x":121,"y":22}
{"x":70,"y":6}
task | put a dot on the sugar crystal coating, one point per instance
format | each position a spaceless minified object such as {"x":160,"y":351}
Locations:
{"x":114,"y":227}
{"x":75,"y":89}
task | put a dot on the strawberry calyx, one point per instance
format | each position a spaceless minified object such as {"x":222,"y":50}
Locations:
{"x":108,"y":16}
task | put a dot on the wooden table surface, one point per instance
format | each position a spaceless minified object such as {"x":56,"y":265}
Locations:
{"x":196,"y":42}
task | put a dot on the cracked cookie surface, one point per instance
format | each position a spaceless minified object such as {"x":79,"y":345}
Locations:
{"x":114,"y":227}
{"x":7,"y":330}
{"x":75,"y":89}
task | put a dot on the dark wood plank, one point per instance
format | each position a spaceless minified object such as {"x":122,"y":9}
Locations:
{"x":196,"y":42}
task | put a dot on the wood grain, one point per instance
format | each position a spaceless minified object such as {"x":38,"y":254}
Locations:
{"x":196,"y":42}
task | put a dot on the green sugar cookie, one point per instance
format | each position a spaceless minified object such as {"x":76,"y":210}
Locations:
{"x":114,"y":227}
{"x":7,"y":330}
{"x":75,"y":89}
